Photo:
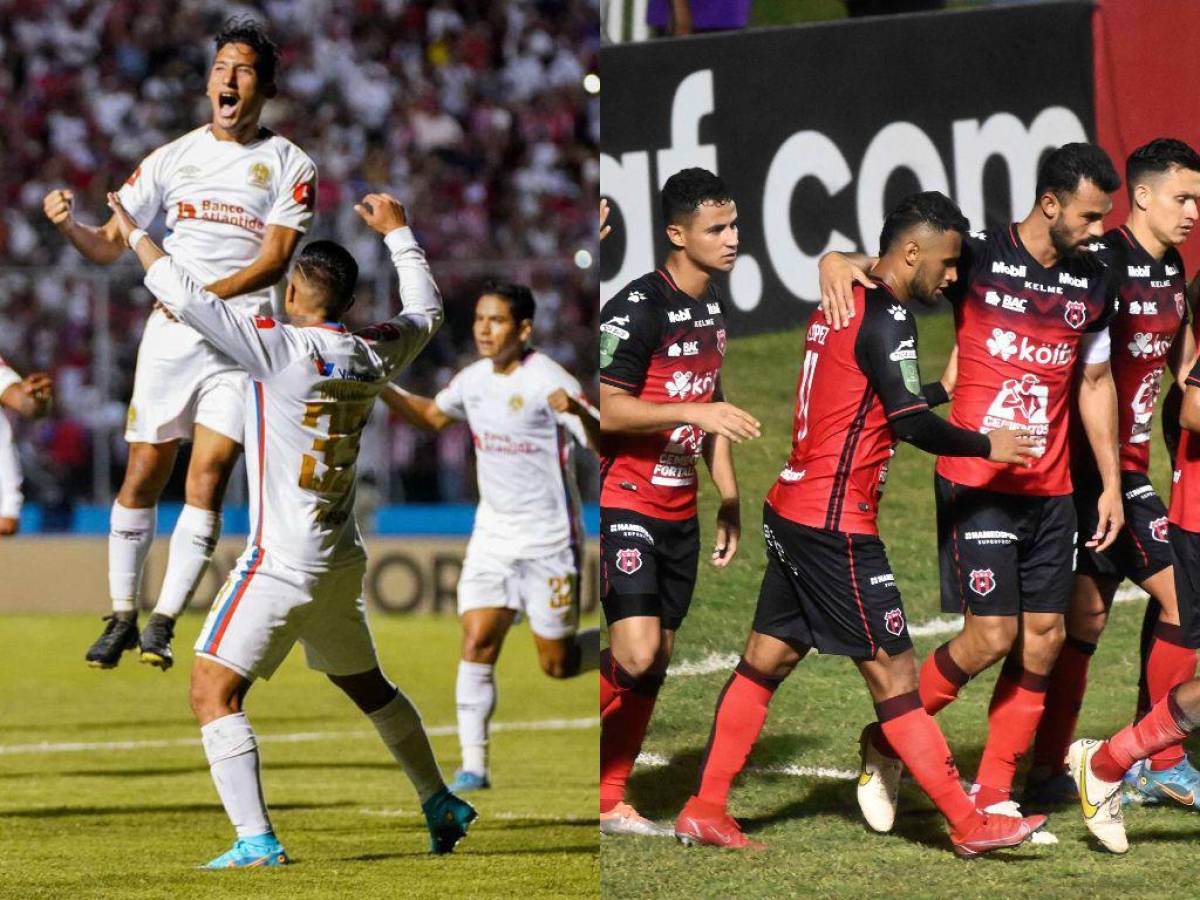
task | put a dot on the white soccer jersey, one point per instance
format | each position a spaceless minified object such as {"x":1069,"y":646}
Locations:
{"x":528,"y":498}
{"x":311,"y":392}
{"x":219,"y":197}
{"x":11,"y":497}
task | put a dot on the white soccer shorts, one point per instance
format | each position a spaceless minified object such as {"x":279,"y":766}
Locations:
{"x":266,"y":606}
{"x":181,"y":382}
{"x":545,"y":589}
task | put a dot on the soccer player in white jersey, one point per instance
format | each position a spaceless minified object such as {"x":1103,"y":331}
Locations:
{"x":300,"y":579}
{"x":30,"y":397}
{"x":237,"y":198}
{"x":526,"y":412}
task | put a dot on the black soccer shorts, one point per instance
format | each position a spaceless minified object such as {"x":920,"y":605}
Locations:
{"x":1003,"y":554}
{"x":830,"y":590}
{"x":1142,"y":549}
{"x":1185,"y":552}
{"x":647,"y":566}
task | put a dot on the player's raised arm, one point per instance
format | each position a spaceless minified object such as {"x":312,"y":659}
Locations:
{"x":401,"y":338}
{"x":574,"y":405}
{"x":101,"y":244}
{"x":271,"y":264}
{"x":838,"y":274}
{"x":423,"y":412}
{"x":30,"y":396}
{"x":1189,"y":411}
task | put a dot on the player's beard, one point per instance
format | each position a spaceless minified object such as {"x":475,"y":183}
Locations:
{"x":1061,"y":243}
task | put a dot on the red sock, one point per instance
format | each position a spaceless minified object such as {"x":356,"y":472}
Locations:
{"x":941,"y":680}
{"x":608,"y":679}
{"x":922,"y":747}
{"x":1169,"y":663}
{"x":623,"y":724}
{"x":1163,"y":726}
{"x":741,"y":712}
{"x":1064,"y":697}
{"x":1016,"y":709}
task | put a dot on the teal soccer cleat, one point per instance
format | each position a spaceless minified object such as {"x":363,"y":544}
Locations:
{"x":465,"y":781}
{"x":250,"y":853}
{"x":1180,"y":784}
{"x":448,"y":819}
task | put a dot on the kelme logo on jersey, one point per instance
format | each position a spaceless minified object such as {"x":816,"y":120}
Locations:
{"x":1158,"y":529}
{"x":629,"y":560}
{"x":982,"y":581}
{"x":1075,"y":313}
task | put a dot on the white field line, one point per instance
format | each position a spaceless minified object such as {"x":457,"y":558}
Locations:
{"x":657,"y":761}
{"x":723,"y":662}
{"x":297,"y":737}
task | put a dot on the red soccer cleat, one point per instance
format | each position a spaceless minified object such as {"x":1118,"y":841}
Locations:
{"x":702,"y":823}
{"x":994,"y":833}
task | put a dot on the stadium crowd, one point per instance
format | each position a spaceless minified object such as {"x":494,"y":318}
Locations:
{"x":473,"y":112}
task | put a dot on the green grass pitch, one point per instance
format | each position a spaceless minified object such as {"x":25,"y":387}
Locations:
{"x":817,"y":842}
{"x":131,"y":820}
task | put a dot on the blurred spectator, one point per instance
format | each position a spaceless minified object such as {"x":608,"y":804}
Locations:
{"x":679,"y":17}
{"x":471,"y":111}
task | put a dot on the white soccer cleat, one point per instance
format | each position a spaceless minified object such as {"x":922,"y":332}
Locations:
{"x":1012,"y":810}
{"x":878,"y":783}
{"x":624,"y":819}
{"x":1100,"y":800}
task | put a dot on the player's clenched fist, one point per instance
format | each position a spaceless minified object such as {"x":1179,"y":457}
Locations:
{"x":57,"y":207}
{"x":561,"y":401}
{"x":726,"y":420}
{"x":383,"y":212}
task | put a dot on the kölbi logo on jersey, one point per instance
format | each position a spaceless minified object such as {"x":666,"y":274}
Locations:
{"x":1004,"y":344}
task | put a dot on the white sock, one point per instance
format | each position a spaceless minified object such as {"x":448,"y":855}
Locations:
{"x":588,"y":644}
{"x":475,"y":695}
{"x":399,"y":724}
{"x":232,"y":755}
{"x":131,"y":531}
{"x":192,"y":544}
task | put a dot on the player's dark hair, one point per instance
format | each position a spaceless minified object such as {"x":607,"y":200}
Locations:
{"x":329,"y":267}
{"x":1158,"y":157}
{"x":686,"y":190}
{"x":518,"y":296}
{"x":932,"y":208}
{"x":1061,"y":171}
{"x":245,"y":30}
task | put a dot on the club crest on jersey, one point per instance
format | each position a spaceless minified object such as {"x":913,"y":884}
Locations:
{"x":516,"y":403}
{"x":629,"y":560}
{"x":893,"y":621}
{"x":1179,"y":303}
{"x":259,"y":175}
{"x":1158,"y":529}
{"x":983,"y":581}
{"x":721,"y":341}
{"x":1075,"y":313}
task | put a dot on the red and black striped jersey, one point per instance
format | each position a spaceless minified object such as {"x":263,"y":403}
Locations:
{"x":1019,"y":326}
{"x":1185,"y":480}
{"x":852,"y":384}
{"x":1153,"y":305}
{"x":662,"y":345}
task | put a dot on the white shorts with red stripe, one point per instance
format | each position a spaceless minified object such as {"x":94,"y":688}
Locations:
{"x":266,"y":606}
{"x":181,"y":382}
{"x":545,"y":589}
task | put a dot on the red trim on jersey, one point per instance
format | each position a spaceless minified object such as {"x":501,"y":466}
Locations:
{"x":608,"y":379}
{"x":905,"y":409}
{"x":837,"y":496}
{"x":330,"y":326}
{"x":962,"y":597}
{"x":1138,"y":544}
{"x":214,"y":643}
{"x":1012,"y":233}
{"x":857,"y":595}
{"x":667,"y":278}
{"x":1125,"y":233}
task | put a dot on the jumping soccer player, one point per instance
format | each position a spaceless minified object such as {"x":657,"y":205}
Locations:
{"x":30,"y":397}
{"x":526,"y":413}
{"x":828,"y":583}
{"x":300,"y":578}
{"x":237,"y":198}
{"x":1148,"y":334}
{"x":1031,"y":313}
{"x":662,"y":343}
{"x":1098,"y":768}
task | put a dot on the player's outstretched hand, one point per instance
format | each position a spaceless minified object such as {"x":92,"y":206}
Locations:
{"x":605,"y":229}
{"x":38,"y":389}
{"x":8,"y":526}
{"x":1111,"y":520}
{"x":57,"y":207}
{"x":124,"y":220}
{"x":726,"y":420}
{"x":383,"y":212}
{"x":837,"y":278}
{"x":729,"y":530}
{"x":1015,"y":446}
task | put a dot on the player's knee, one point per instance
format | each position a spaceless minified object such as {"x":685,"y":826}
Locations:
{"x":1088,"y":626}
{"x":480,"y":647}
{"x":204,"y":487}
{"x":561,"y":663}
{"x":209,"y":702}
{"x":641,"y":661}
{"x":996,"y":639}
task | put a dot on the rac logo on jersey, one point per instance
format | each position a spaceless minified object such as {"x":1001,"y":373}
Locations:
{"x":1158,"y":529}
{"x":1075,"y":313}
{"x":629,"y":560}
{"x":983,"y":581}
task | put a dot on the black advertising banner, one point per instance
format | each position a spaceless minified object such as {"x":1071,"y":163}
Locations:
{"x":819,"y":129}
